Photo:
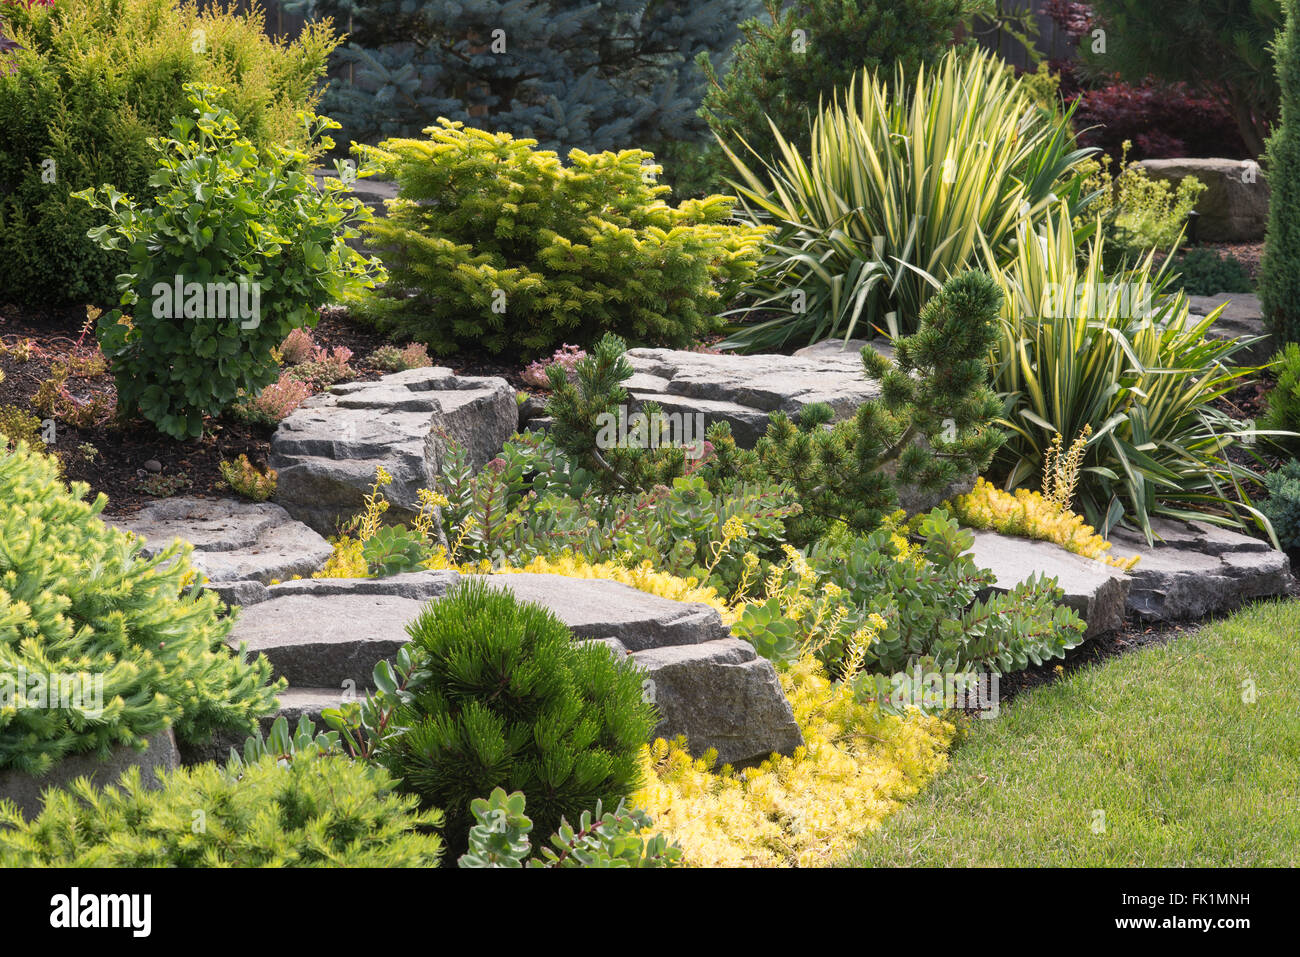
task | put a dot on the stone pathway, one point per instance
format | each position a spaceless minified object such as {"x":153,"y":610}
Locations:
{"x":327,"y":451}
{"x":1241,"y":318}
{"x":326,"y":636}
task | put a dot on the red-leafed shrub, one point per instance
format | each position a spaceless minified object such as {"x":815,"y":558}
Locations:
{"x":1160,"y":121}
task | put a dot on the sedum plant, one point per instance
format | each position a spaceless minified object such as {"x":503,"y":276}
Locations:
{"x":600,"y":839}
{"x":506,"y":698}
{"x":247,"y":479}
{"x":235,"y":247}
{"x":1030,"y":515}
{"x":495,"y":244}
{"x":897,"y":192}
{"x":1080,"y":347}
{"x":77,"y":599}
{"x":307,"y":810}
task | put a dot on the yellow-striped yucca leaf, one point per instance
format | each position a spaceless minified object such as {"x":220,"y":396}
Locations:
{"x":1115,"y":352}
{"x":903,"y":183}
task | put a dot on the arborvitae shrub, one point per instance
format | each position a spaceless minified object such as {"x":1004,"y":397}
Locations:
{"x":76,"y":598}
{"x":508,"y":699}
{"x":495,"y":244}
{"x":1279,"y":270}
{"x":313,"y":811}
{"x":1284,"y":398}
{"x":95,"y":79}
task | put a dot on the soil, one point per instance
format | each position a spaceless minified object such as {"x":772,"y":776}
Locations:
{"x":132,"y":463}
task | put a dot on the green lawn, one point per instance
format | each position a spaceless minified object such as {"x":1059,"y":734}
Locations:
{"x":1159,"y":739}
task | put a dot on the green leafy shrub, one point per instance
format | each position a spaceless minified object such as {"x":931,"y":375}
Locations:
{"x":509,"y":699}
{"x":777,"y":75}
{"x":896,"y":193}
{"x":77,"y":599}
{"x":498,"y":245}
{"x":226,"y":221}
{"x":1083,"y":347}
{"x":19,"y":425}
{"x":93,"y":81}
{"x":603,"y":839}
{"x":1203,"y":272}
{"x":930,"y":425}
{"x":312,"y":811}
{"x":1283,"y":504}
{"x":881,"y":605}
{"x":1279,"y":269}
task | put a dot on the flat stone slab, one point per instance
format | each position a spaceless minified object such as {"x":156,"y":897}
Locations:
{"x":1197,"y":569}
{"x":326,"y":636}
{"x":27,"y":791}
{"x":328,"y":451}
{"x":744,"y":390}
{"x":1242,"y":318}
{"x":1095,"y":590}
{"x":234,"y":541}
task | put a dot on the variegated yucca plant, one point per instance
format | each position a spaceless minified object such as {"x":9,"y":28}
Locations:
{"x":903,"y":184}
{"x":1081,"y":348}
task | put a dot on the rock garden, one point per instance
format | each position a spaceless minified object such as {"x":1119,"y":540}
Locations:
{"x":567,"y":503}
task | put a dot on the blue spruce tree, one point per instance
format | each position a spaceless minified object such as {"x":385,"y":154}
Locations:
{"x":570,"y":73}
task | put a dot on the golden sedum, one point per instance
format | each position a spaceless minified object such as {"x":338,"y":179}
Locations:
{"x":1030,"y":515}
{"x":809,"y":809}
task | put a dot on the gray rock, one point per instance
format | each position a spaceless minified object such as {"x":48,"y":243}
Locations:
{"x":325,"y":636}
{"x":327,"y":452}
{"x":721,"y":695}
{"x":27,"y":791}
{"x":853,"y":347}
{"x":1195,"y":569}
{"x":1095,"y":590}
{"x":1242,"y":318}
{"x":743,"y":390}
{"x":1232,"y":208}
{"x":533,"y":407}
{"x":599,"y":608}
{"x":234,"y":541}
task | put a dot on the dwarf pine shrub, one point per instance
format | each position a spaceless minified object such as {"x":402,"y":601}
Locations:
{"x":313,"y":811}
{"x":80,"y":606}
{"x":498,"y":245}
{"x":508,"y":699}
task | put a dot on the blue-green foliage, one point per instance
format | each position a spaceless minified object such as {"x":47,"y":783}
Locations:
{"x":568,"y":73}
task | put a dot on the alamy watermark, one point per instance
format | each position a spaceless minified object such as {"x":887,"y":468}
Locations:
{"x":1128,"y":299}
{"x":54,"y":690}
{"x":236,"y":299}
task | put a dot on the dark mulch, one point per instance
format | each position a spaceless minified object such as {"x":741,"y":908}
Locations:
{"x":117,"y":464}
{"x":1249,"y":255}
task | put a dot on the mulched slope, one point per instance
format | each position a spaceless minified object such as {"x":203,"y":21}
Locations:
{"x":117,"y":465}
